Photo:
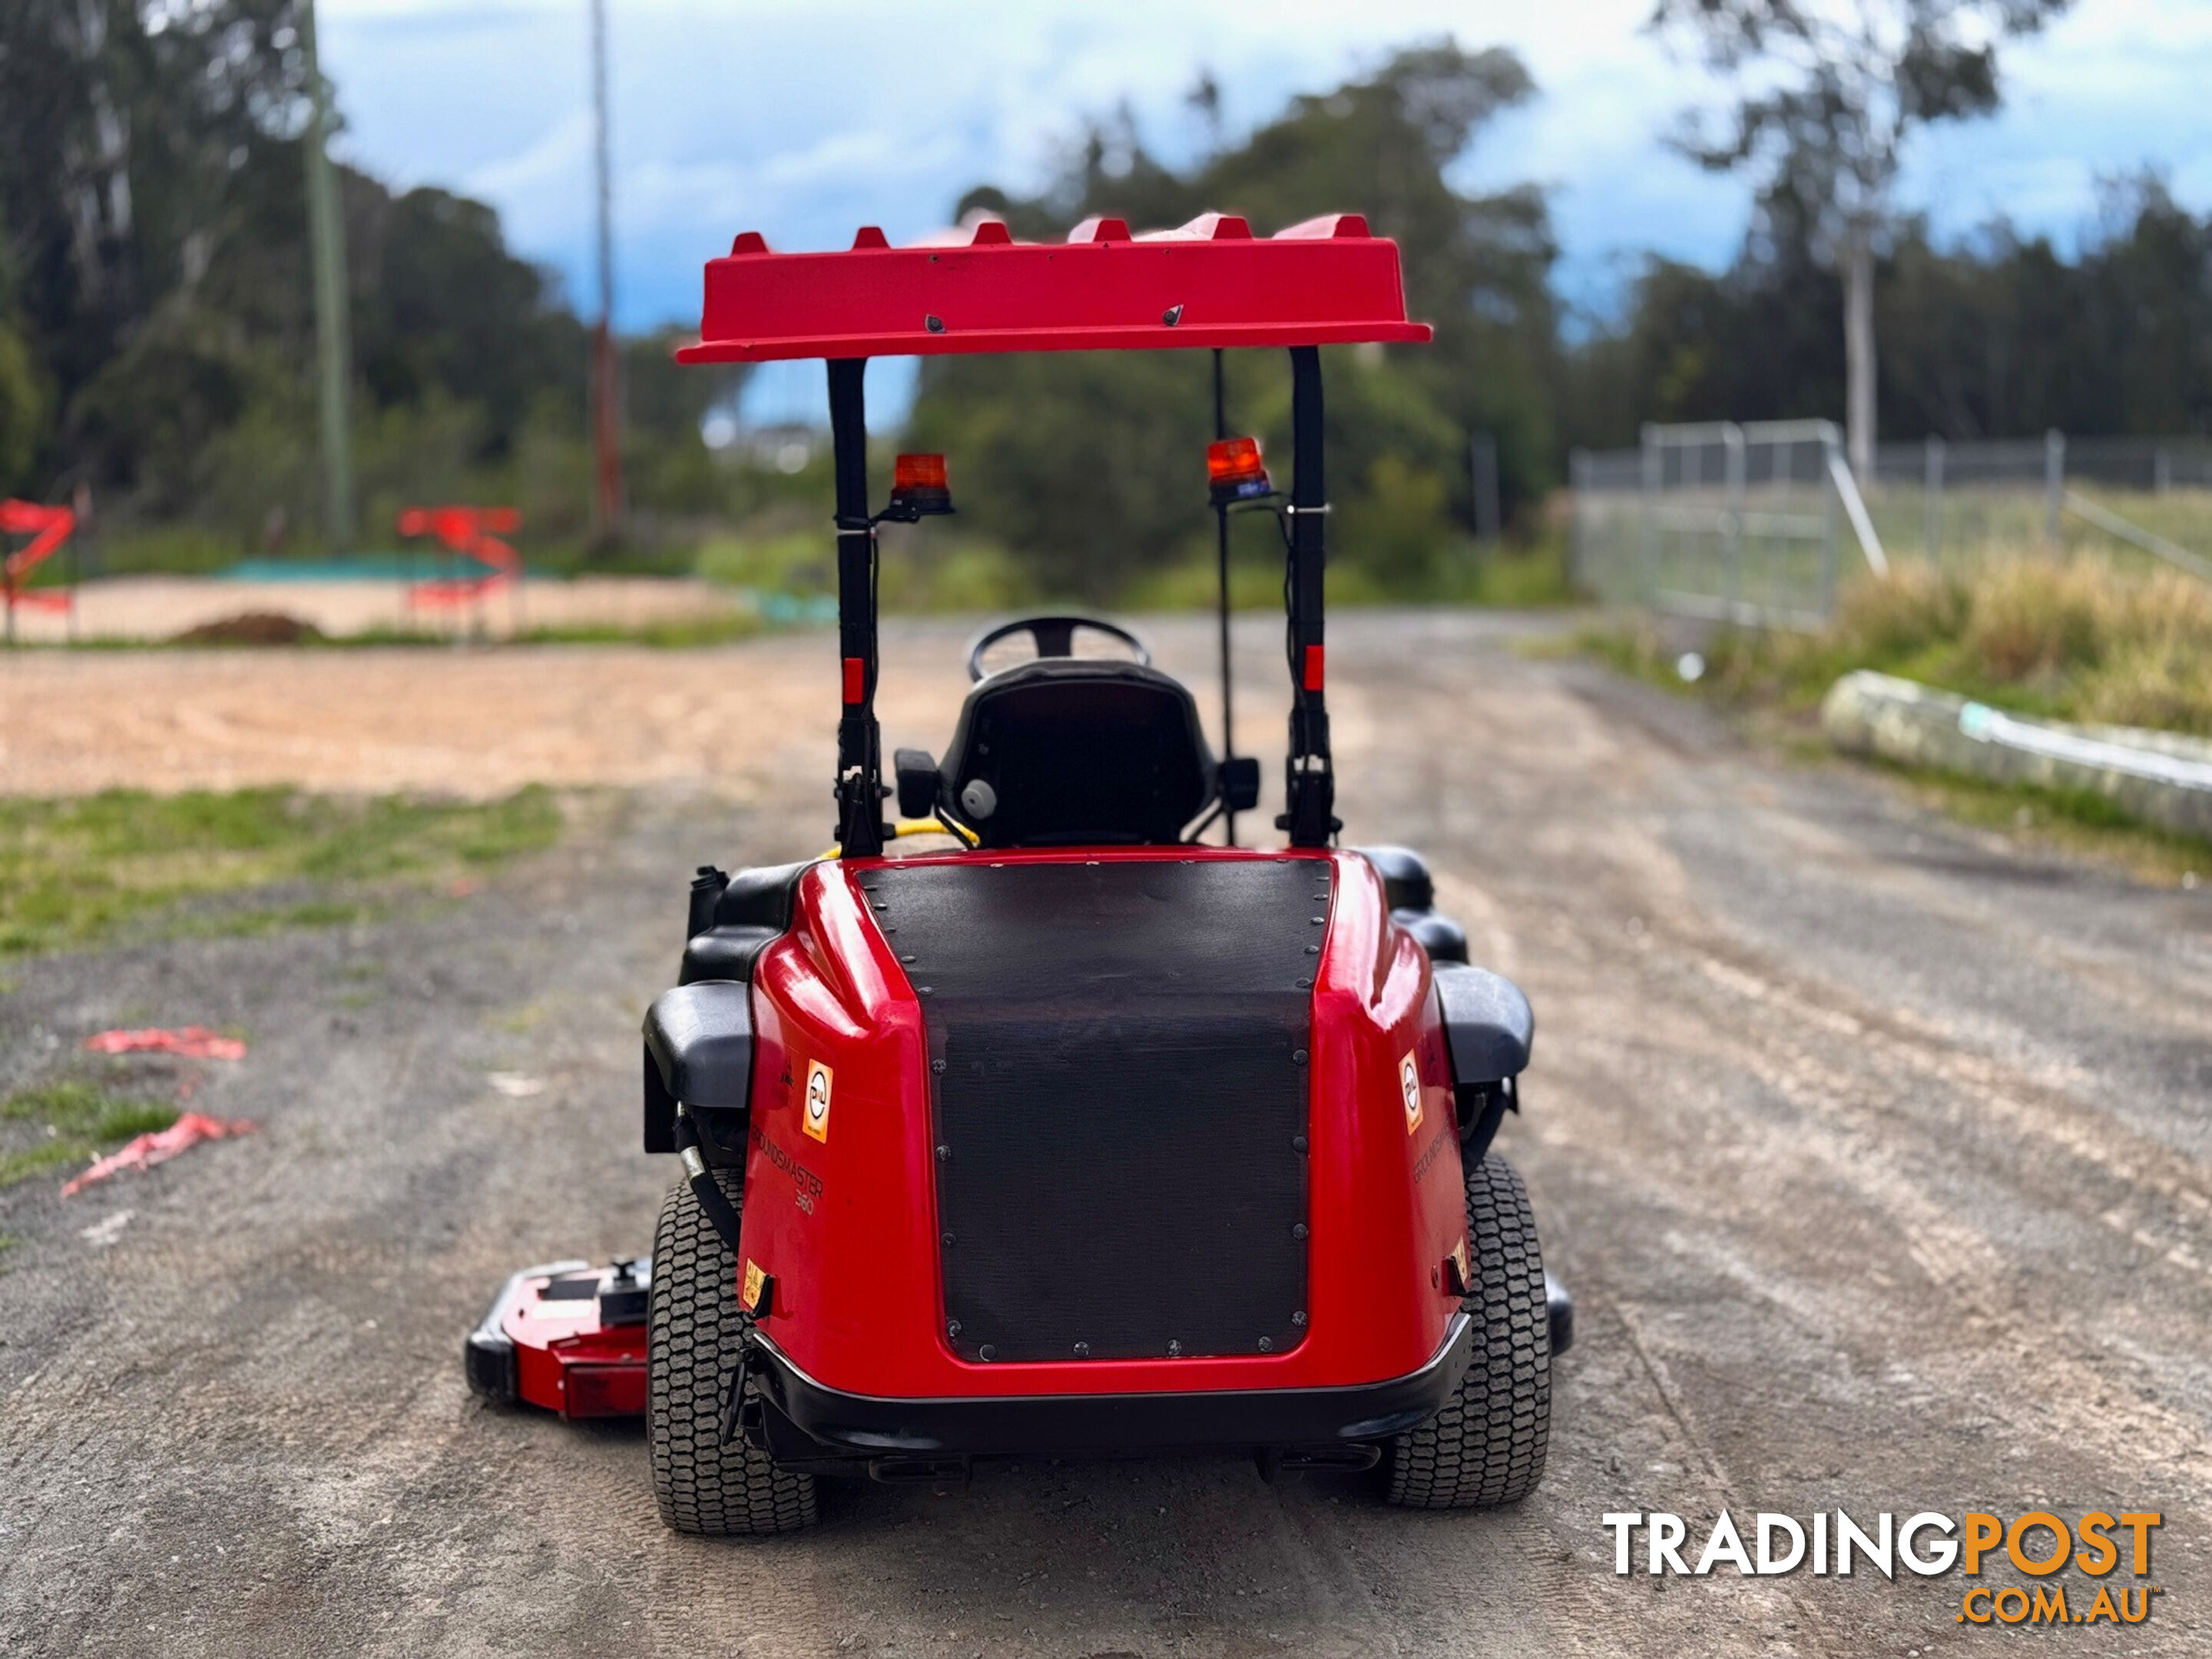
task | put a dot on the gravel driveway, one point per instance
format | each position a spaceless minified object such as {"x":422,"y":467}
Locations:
{"x":1873,"y":1149}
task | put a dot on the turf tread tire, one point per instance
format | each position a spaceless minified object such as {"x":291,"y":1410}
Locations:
{"x":1486,"y":1445}
{"x":702,"y":1485}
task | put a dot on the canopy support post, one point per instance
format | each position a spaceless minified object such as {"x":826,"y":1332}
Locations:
{"x":1221,"y":526}
{"x":1309,"y":783}
{"x":860,"y":786}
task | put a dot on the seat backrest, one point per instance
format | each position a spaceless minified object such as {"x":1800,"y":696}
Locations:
{"x":1081,"y":751}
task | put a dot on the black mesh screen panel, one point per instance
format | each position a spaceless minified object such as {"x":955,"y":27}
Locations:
{"x":1118,"y":1057}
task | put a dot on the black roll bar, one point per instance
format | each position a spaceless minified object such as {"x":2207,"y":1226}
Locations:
{"x":860,"y":739}
{"x":1309,"y":780}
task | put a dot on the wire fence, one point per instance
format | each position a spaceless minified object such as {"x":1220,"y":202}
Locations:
{"x":1758,"y":523}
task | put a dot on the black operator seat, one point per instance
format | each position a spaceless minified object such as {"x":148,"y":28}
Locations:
{"x":1072,"y":751}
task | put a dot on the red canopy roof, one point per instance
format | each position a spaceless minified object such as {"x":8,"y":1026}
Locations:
{"x":1210,"y":283}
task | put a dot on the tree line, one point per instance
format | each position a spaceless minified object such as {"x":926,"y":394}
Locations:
{"x":156,"y":333}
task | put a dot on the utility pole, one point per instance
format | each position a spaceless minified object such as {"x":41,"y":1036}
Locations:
{"x":606,"y":406}
{"x":333,"y":344}
{"x":1858,"y":350}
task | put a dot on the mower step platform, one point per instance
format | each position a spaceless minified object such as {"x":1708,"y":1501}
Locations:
{"x":567,"y":1337}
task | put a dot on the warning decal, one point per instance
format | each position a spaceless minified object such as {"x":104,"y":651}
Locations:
{"x":1409,"y":1080}
{"x":750,"y":1295}
{"x":816,"y":1120}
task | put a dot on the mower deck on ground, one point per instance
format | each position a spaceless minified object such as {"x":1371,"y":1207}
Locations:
{"x":1079,"y":1135}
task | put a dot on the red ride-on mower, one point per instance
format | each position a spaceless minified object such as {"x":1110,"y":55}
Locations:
{"x":1086,"y":1137}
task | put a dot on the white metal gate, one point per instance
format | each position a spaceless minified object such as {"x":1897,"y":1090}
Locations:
{"x":1743,"y":523}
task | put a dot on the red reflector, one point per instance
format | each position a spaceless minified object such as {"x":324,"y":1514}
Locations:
{"x":918,"y":472}
{"x":1313,"y":668}
{"x":605,"y":1390}
{"x":856,"y":679}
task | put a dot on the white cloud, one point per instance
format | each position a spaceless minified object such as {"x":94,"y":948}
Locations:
{"x":804,"y":122}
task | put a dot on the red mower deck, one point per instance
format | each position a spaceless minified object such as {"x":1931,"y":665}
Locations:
{"x":567,"y":1337}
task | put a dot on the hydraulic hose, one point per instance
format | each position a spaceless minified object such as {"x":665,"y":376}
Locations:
{"x":704,"y":1187}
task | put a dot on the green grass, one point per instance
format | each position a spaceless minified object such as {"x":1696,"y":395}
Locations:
{"x":20,"y":1166}
{"x":2077,"y":638}
{"x":76,"y":1120}
{"x":2077,"y":822}
{"x":1519,"y":578}
{"x":74,"y":870}
{"x":724,"y":628}
{"x":83,"y":1111}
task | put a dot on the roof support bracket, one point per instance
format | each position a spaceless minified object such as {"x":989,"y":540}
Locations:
{"x":1309,"y":780}
{"x":860,"y":786}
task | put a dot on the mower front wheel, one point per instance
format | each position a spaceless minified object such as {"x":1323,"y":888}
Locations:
{"x":702,"y":1485}
{"x":1486,"y":1445}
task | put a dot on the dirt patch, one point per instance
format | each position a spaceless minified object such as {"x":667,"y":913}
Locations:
{"x":476,"y":722}
{"x":160,"y":607}
{"x":253,"y":628}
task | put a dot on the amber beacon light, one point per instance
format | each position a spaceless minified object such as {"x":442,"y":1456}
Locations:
{"x":1234,"y":471}
{"x":918,"y":488}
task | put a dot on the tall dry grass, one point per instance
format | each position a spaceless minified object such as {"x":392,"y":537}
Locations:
{"x":2079,"y":637}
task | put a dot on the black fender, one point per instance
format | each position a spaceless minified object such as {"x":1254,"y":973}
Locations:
{"x":699,"y":1050}
{"x":1489,"y":1032}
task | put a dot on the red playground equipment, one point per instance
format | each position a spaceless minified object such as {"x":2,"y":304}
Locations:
{"x":48,"y":527}
{"x":472,"y":532}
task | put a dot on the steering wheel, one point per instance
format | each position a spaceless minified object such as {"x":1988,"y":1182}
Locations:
{"x":1054,"y":637}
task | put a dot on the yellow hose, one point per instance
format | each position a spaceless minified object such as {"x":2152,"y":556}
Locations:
{"x":919,"y":827}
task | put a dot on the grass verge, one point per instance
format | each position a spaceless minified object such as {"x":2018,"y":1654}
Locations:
{"x":77,"y":1120}
{"x":2078,"y":638}
{"x":73,"y":871}
{"x":2077,"y":822}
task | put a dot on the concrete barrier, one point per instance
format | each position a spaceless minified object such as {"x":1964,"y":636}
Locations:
{"x":2159,"y":777}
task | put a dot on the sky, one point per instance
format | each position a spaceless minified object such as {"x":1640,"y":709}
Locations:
{"x":805,"y":121}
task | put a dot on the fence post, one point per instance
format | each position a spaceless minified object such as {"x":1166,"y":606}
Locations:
{"x":2054,"y":484}
{"x":1832,"y":450}
{"x":1732,"y":526}
{"x":1932,"y":501}
{"x":1648,"y":551}
{"x":1482,"y":459}
{"x":1578,"y":486}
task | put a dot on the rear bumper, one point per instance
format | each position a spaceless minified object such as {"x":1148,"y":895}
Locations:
{"x":850,"y":1425}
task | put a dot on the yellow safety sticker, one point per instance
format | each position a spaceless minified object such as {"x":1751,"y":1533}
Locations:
{"x":755,"y":1279}
{"x":1409,"y":1080}
{"x":815,"y":1118}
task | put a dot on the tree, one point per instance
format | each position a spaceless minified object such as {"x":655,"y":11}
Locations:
{"x":1837,"y":85}
{"x":156,"y":327}
{"x":1998,"y":335}
{"x":1086,"y":466}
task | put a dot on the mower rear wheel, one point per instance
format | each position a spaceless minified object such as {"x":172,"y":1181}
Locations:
{"x":702,"y":1485}
{"x":1486,"y":1445}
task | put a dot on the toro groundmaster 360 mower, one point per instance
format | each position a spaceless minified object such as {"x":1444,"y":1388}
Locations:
{"x":1085,"y":1138}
